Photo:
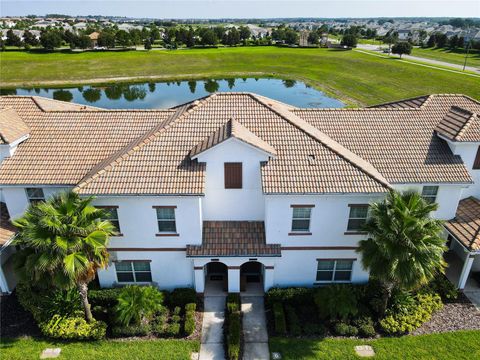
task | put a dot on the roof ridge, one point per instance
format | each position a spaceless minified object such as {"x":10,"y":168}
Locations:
{"x":135,"y":145}
{"x":64,"y":103}
{"x":327,"y":141}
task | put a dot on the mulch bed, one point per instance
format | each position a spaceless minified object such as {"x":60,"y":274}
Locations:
{"x":458,"y":315}
{"x":14,"y":320}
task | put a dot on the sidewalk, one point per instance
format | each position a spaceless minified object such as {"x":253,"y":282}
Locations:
{"x":211,"y":347}
{"x":255,"y":334}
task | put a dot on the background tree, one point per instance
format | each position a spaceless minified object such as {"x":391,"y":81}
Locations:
{"x":432,"y":40}
{"x":30,"y":39}
{"x":50,"y":39}
{"x":122,"y":38}
{"x":83,"y":42}
{"x":148,"y":44}
{"x":402,"y":48}
{"x":245,"y":33}
{"x":209,"y":37}
{"x":107,"y":38}
{"x":390,"y":38}
{"x":404,"y":248}
{"x":441,"y":40}
{"x":349,"y":40}
{"x":62,"y":242}
{"x":12,"y":39}
{"x":313,"y":38}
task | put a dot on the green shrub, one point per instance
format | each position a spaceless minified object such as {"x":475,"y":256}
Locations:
{"x":131,"y":330}
{"x":233,"y":336}
{"x":295,"y":296}
{"x":336,"y":301}
{"x":73,"y":328}
{"x":293,"y":323}
{"x":172,"y":329}
{"x":233,"y":303}
{"x":344,"y":329}
{"x":442,"y":286}
{"x":159,"y":323}
{"x":311,"y":329}
{"x":177,"y":310}
{"x":137,"y":303}
{"x":279,"y":319}
{"x":413,"y":316}
{"x":181,"y":297}
{"x":106,"y":298}
{"x":365,"y":327}
{"x":189,"y":325}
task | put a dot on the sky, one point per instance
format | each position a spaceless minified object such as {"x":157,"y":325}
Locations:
{"x":211,"y":9}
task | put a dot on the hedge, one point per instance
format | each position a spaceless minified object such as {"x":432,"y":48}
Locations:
{"x":189,"y":325}
{"x":233,"y":325}
{"x":279,"y":319}
{"x":73,"y":328}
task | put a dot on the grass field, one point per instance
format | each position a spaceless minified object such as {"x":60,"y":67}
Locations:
{"x":451,"y":56}
{"x":27,"y":348}
{"x":351,"y":76}
{"x":449,"y":346}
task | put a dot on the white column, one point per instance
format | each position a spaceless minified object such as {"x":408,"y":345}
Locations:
{"x":268,"y":278}
{"x":467,"y":266}
{"x":199,"y":279}
{"x":234,"y":279}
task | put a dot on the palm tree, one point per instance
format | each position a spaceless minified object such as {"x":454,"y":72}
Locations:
{"x":63,"y":242}
{"x":404,"y":247}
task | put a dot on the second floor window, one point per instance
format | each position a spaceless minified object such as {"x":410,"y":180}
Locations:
{"x":301,"y":218}
{"x":166,"y":219}
{"x":429,"y":194}
{"x":35,"y":195}
{"x":111,"y":214}
{"x":233,"y":175}
{"x":357,"y":217}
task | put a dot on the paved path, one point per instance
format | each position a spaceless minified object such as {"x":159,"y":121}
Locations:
{"x":211,"y":347}
{"x":254,"y":329}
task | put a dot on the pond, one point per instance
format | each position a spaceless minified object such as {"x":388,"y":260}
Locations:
{"x":167,"y":94}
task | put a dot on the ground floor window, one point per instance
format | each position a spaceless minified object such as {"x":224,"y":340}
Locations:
{"x":133,"y":271}
{"x":334,"y":270}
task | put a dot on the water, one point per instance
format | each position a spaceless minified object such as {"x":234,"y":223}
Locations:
{"x":167,"y":94}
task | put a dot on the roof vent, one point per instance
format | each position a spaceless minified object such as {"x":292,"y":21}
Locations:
{"x":311,"y":159}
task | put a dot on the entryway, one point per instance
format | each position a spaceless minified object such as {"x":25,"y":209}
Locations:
{"x":251,"y":278}
{"x":216,"y":279}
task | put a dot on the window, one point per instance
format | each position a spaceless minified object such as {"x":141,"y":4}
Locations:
{"x":133,"y":271}
{"x":35,"y":195}
{"x":429,"y":193}
{"x":112,"y":216}
{"x":331,"y":270}
{"x":476,"y":163}
{"x":358,"y":217}
{"x":301,"y":218}
{"x":166,"y":219}
{"x":233,"y":175}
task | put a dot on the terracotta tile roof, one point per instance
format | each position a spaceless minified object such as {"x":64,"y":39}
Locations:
{"x":47,"y":104}
{"x":94,"y":35}
{"x":410,"y":103}
{"x":12,"y":127}
{"x":400,"y":143}
{"x":317,"y":150}
{"x":466,"y":224}
{"x":233,"y":238}
{"x":7,"y":230}
{"x":232,"y":129}
{"x":459,"y":125}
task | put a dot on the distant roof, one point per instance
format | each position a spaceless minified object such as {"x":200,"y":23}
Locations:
{"x":94,"y":35}
{"x":317,"y":151}
{"x":12,"y":127}
{"x":466,"y":224}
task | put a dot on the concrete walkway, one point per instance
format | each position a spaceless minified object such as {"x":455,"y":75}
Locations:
{"x":255,"y":334}
{"x":211,"y":347}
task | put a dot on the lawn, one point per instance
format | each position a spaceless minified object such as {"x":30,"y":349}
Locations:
{"x":351,"y":76}
{"x":447,"y":55}
{"x":29,"y":348}
{"x":455,"y":346}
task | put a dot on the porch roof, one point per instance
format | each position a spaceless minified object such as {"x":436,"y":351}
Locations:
{"x":233,"y":238}
{"x":465,"y":227}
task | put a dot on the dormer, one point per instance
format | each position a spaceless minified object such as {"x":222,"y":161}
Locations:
{"x":13,"y":131}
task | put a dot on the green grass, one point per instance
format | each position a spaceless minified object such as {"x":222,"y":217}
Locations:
{"x":349,"y":75}
{"x":454,"y":345}
{"x":450,"y":56}
{"x":28,"y":348}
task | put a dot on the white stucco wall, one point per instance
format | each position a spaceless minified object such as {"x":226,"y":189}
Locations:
{"x":233,"y":204}
{"x":468,"y":151}
{"x":328,"y":221}
{"x":448,"y":197}
{"x":138,"y":221}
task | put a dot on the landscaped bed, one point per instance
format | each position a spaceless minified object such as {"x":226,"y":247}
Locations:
{"x":454,"y":345}
{"x":31,"y":348}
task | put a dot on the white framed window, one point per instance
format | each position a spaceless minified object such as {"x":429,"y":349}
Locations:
{"x":429,"y":194}
{"x":166,"y":219}
{"x":301,"y":218}
{"x":133,"y":271}
{"x":35,"y":195}
{"x":111,"y":213}
{"x":357,"y":217}
{"x":334,"y":270}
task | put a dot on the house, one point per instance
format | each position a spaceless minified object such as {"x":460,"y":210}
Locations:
{"x":94,"y":39}
{"x":403,"y":34}
{"x":236,"y":190}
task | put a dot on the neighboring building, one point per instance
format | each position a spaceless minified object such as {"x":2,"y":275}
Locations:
{"x":94,"y":39}
{"x":303,"y":38}
{"x":403,"y":35}
{"x":236,"y":188}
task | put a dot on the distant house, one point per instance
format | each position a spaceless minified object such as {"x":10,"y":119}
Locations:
{"x":304,"y":38}
{"x":94,"y":39}
{"x":403,"y":34}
